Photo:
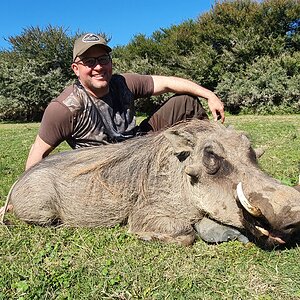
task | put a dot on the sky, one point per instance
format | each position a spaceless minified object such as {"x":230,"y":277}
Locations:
{"x":120,"y":20}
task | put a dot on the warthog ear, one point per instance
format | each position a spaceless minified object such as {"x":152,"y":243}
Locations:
{"x":181,"y":141}
{"x":212,"y":156}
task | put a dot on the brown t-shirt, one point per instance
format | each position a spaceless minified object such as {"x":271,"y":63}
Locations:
{"x":83,"y":120}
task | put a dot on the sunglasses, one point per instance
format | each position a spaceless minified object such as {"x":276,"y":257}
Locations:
{"x":92,"y":62}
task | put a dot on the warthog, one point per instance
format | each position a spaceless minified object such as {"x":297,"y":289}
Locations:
{"x":163,"y":185}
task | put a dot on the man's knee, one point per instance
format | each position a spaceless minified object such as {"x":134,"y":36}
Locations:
{"x":188,"y":107}
{"x":177,"y":108}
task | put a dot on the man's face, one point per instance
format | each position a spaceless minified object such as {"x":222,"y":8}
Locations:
{"x":94,"y":77}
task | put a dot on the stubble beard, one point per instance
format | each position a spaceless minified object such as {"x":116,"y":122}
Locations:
{"x":99,"y":87}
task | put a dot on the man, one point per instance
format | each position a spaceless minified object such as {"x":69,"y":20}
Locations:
{"x":98,"y":109}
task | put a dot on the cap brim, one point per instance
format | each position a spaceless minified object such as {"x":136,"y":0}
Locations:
{"x":84,"y":49}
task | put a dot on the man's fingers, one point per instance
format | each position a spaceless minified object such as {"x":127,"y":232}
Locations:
{"x":221,"y":117}
{"x":218,"y":116}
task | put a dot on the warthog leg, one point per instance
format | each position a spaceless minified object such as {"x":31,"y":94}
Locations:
{"x":184,"y":240}
{"x":156,"y":222}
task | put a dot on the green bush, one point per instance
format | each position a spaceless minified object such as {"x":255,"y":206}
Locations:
{"x":268,"y":85}
{"x":34,"y":72}
{"x":29,"y":91}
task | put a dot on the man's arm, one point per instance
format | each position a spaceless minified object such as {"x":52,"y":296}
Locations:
{"x":39,"y":150}
{"x":164,"y":84}
{"x":56,"y":125}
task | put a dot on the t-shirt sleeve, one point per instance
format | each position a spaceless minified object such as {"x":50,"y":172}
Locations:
{"x":142,"y":86}
{"x":56,"y":124}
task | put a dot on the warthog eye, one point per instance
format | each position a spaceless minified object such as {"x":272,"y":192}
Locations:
{"x":211,"y":161}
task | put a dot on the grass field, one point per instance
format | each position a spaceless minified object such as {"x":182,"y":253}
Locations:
{"x":77,"y":263}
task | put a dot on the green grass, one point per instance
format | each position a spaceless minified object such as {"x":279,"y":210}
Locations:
{"x":79,"y":263}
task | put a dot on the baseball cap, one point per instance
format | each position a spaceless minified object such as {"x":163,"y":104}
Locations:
{"x":86,"y":41}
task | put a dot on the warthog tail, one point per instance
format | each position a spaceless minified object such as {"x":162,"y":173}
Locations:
{"x":4,"y":208}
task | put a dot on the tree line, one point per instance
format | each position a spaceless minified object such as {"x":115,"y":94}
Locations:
{"x":246,"y":51}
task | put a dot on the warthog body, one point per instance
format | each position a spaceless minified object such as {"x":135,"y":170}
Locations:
{"x":162,"y":185}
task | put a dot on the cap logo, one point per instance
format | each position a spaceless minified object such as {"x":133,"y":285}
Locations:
{"x":90,"y":37}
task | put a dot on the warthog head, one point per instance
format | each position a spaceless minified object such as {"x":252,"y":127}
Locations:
{"x":228,"y":186}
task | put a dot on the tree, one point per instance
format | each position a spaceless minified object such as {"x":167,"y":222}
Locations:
{"x":253,"y":40}
{"x":26,"y":88}
{"x":34,"y":71}
{"x":268,"y":85}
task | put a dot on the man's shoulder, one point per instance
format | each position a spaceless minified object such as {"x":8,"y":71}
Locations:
{"x":140,"y":86}
{"x":71,"y":98}
{"x":133,"y":81}
{"x":65,"y":94}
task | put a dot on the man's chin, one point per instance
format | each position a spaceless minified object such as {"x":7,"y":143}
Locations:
{"x":100,"y":84}
{"x":100,"y":89}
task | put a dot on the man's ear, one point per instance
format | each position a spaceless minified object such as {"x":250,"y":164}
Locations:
{"x":182,"y":142}
{"x":75,"y":69}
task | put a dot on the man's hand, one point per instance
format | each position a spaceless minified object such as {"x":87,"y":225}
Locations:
{"x":216,"y":107}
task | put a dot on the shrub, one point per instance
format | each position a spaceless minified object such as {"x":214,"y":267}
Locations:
{"x":268,"y":85}
{"x":29,"y":92}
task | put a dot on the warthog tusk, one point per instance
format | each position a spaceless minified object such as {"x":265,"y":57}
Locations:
{"x":267,"y":233}
{"x":278,"y":239}
{"x":263,"y":231}
{"x":254,"y":211}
